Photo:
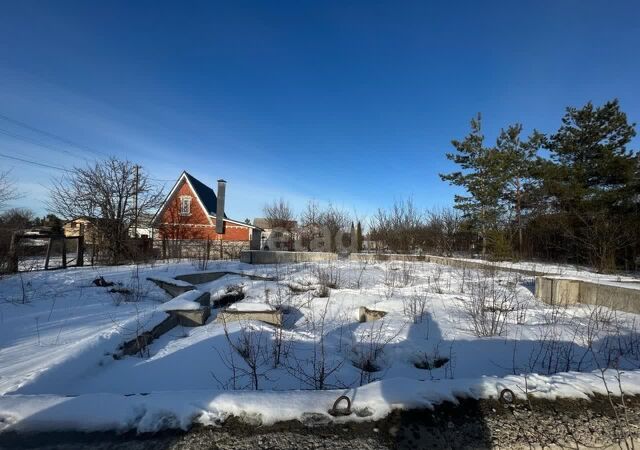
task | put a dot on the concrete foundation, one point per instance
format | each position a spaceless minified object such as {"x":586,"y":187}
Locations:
{"x":206,"y":277}
{"x":268,"y":257}
{"x":272,"y":317}
{"x":172,"y":289}
{"x":378,"y":257}
{"x":187,"y":318}
{"x":556,"y":291}
{"x":369,"y":315}
{"x":550,"y":289}
{"x":137,"y":345}
{"x":567,"y":291}
{"x":191,"y":317}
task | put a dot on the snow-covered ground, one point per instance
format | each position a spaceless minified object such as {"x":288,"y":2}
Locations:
{"x":444,"y":332}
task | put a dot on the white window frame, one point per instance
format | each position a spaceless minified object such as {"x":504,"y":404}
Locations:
{"x":185,"y":200}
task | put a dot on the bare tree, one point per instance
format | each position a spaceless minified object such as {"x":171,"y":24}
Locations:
{"x":279,"y":215}
{"x":334,"y":220}
{"x":444,"y":226}
{"x":109,"y":194}
{"x":399,"y":229}
{"x":177,"y":230}
{"x":11,"y":221}
{"x":8,"y":190}
{"x":601,"y":236}
{"x":323,"y":226}
{"x":310,"y":224}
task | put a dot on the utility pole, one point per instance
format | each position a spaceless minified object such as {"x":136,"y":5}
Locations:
{"x":135,"y":223}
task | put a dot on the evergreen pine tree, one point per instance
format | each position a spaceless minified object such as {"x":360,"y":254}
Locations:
{"x":517,"y":159}
{"x":352,"y":237}
{"x":480,"y":176}
{"x":591,"y":178}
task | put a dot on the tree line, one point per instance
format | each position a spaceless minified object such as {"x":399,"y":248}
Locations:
{"x":572,"y":196}
{"x":113,"y":194}
{"x":569,"y":196}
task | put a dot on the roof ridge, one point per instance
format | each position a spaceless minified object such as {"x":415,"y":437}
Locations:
{"x":206,"y":195}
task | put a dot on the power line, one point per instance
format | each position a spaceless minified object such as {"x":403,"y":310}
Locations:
{"x":53,"y":136}
{"x":38,"y":143}
{"x":50,"y":166}
{"x":35,"y":163}
{"x":49,"y":147}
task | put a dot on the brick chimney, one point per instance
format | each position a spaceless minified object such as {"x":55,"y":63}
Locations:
{"x":222,"y":184}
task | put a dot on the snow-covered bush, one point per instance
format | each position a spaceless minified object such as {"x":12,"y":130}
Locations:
{"x":489,"y":304}
{"x":315,"y":363}
{"x":414,"y":305}
{"x":399,"y":275}
{"x":247,"y":358}
{"x":368,"y":352}
{"x":434,"y":281}
{"x":329,"y":276}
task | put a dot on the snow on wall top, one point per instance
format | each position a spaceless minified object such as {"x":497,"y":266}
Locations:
{"x":171,"y":281}
{"x":251,"y":307}
{"x":186,"y":301}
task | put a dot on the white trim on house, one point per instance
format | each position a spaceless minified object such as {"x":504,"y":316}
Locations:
{"x":237,"y":222}
{"x":175,"y":186}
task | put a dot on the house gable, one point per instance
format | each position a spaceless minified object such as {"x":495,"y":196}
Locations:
{"x":172,"y":212}
{"x":189,"y":212}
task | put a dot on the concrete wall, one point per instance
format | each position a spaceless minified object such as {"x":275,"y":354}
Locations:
{"x":376,"y":257}
{"x":552,"y":290}
{"x":268,"y":257}
{"x":615,"y":297}
{"x":172,"y":289}
{"x":566,"y":291}
{"x":272,"y":317}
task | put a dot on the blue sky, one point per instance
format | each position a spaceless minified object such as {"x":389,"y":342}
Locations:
{"x":350,"y":102}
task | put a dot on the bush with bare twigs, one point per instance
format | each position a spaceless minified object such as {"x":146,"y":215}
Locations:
{"x":489,"y":304}
{"x":317,"y":366}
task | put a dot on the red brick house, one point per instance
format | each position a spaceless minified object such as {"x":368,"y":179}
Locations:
{"x":192,"y":220}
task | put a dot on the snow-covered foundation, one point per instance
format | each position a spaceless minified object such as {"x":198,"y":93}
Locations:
{"x":447,"y":332}
{"x":619,"y":295}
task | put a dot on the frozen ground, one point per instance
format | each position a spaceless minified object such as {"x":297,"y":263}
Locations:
{"x":446,"y":332}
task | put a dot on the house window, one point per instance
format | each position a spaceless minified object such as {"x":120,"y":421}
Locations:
{"x":185,"y":206}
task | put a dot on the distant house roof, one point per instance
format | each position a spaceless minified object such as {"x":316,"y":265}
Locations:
{"x":93,"y":220}
{"x":263,"y":223}
{"x":205,"y":193}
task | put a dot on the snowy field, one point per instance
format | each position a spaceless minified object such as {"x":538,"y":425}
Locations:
{"x":439,"y":332}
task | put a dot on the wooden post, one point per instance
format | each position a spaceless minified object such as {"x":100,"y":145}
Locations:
{"x":64,"y":252}
{"x":80,"y":254}
{"x":46,"y":260}
{"x":221,"y":254}
{"x":80,"y":250}
{"x":13,"y":253}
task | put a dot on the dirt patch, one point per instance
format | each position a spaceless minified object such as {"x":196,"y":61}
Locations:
{"x":468,"y":424}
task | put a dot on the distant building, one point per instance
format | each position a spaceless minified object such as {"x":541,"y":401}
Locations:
{"x":88,"y":226}
{"x":279,"y":238}
{"x":192,"y":216}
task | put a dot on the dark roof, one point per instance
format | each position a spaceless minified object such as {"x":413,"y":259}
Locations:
{"x":205,"y":193}
{"x":262,"y":222}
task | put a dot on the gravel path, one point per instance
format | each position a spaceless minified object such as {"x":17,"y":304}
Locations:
{"x":471,"y":424}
